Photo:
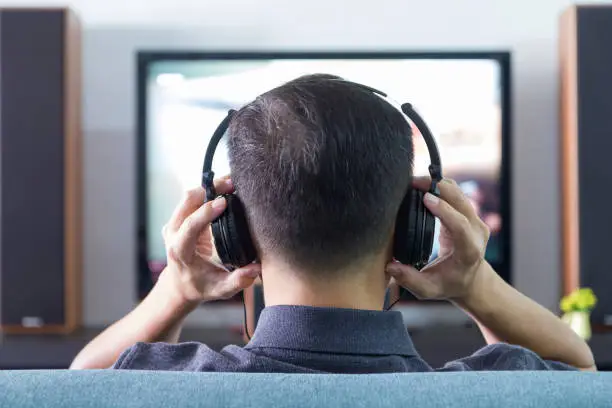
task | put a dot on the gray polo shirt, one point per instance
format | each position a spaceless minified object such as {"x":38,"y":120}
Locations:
{"x":300,"y":339}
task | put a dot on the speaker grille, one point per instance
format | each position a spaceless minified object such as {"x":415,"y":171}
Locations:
{"x":32,"y":167}
{"x":592,"y":138}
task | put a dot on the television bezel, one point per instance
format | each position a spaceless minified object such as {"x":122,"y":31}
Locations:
{"x":145,"y":58}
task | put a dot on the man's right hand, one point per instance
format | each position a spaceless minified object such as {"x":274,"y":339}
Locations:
{"x":191,"y":277}
{"x":192,"y":270}
{"x":463,"y":240}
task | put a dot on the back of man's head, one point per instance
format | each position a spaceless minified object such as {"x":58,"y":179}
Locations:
{"x":321,"y":166}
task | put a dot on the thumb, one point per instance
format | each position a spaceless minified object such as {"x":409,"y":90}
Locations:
{"x":408,"y":277}
{"x":196,"y":223}
{"x":241,"y":278}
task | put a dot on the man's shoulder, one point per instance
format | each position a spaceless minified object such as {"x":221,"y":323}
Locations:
{"x":189,"y":356}
{"x":504,"y":357}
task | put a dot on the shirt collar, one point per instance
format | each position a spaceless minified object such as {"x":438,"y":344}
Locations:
{"x":332,"y":330}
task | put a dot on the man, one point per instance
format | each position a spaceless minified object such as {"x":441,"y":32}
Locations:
{"x":321,"y":167}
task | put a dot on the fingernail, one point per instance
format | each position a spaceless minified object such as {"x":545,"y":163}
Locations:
{"x":432,"y":199}
{"x":229,"y":183}
{"x":218,"y":202}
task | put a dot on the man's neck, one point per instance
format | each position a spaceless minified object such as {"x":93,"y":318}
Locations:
{"x":361,"y":287}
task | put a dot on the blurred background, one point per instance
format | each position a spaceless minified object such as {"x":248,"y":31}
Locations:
{"x":115,"y":30}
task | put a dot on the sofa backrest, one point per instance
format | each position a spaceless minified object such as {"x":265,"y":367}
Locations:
{"x":107,"y":388}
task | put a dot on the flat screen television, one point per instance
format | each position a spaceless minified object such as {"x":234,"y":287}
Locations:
{"x":182,"y":97}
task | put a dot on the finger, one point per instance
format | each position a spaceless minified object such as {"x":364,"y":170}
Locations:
{"x":456,"y":223}
{"x":411,"y":279}
{"x":449,"y":192}
{"x":195,"y":224}
{"x":452,"y":194}
{"x":164,"y":231}
{"x":239,"y":279}
{"x":190,"y":202}
{"x":224,"y":185}
{"x":194,"y":198}
{"x":422,"y":183}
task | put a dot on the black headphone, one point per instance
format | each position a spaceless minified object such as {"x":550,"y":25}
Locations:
{"x":414,"y":226}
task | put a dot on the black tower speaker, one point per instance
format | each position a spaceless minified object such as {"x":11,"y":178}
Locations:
{"x":586,"y":153}
{"x":40,"y":171}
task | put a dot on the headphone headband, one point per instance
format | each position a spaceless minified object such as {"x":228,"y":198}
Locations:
{"x":207,"y":174}
{"x":435,"y":167}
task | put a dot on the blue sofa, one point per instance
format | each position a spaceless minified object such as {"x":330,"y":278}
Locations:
{"x":132,"y":389}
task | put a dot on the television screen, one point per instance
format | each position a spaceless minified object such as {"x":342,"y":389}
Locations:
{"x":183,"y":97}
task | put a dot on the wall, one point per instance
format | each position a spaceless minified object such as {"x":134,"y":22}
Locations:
{"x":114,"y":29}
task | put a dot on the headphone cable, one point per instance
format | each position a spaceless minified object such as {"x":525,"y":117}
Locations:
{"x":399,"y":297}
{"x":246,"y":322}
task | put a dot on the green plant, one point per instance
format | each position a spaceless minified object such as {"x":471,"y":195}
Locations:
{"x":580,"y":300}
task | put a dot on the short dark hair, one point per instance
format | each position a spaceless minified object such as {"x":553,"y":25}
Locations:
{"x":321,"y":166}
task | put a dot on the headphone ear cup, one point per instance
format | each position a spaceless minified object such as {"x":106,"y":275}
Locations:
{"x":429,"y":232}
{"x":220,"y":242}
{"x":406,"y":229}
{"x":419,"y":209}
{"x":414,"y":231}
{"x":232,"y":236}
{"x":425,"y":232}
